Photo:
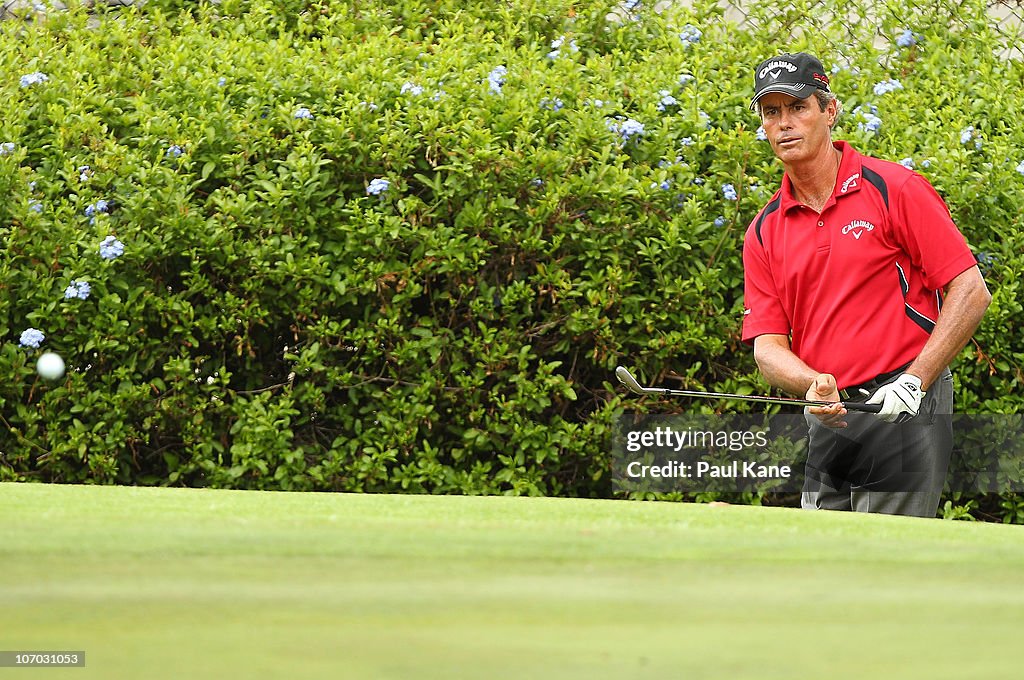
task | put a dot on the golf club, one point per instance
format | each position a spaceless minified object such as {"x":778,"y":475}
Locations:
{"x":627,"y":379}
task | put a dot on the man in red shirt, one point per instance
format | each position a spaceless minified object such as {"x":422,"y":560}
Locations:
{"x":858,"y":285}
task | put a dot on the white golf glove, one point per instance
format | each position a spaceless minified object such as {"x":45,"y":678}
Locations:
{"x":900,"y":399}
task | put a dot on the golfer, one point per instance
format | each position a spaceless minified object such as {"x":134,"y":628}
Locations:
{"x":858,"y":287}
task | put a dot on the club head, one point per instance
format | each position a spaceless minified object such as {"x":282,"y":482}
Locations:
{"x":627,"y":379}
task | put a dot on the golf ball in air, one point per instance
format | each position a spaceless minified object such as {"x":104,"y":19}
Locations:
{"x":50,"y":366}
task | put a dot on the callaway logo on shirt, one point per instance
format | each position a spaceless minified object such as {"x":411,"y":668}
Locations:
{"x":857,"y":228}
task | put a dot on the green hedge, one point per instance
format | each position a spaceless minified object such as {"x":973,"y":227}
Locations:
{"x":274,"y":324}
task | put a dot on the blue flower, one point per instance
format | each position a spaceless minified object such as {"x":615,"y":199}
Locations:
{"x":729,"y":192}
{"x":303,"y":113}
{"x":967,"y":134}
{"x":907,"y":39}
{"x":34,"y":79}
{"x":31,"y":337}
{"x":686,"y":141}
{"x":556,"y":47}
{"x":84,"y":173}
{"x":537,"y":182}
{"x":35,"y":206}
{"x":111,"y":248}
{"x":666,"y":100}
{"x":411,"y":88}
{"x":77,"y":290}
{"x":7,"y":148}
{"x":631,"y":128}
{"x":222,"y":81}
{"x":555,"y":104}
{"x":761,"y":134}
{"x":378,"y":186}
{"x":719,"y":221}
{"x":496,"y":79}
{"x":887,"y":86}
{"x":100,"y":206}
{"x":690,"y":35}
{"x":1020,"y":167}
{"x":664,"y":185}
{"x":869,"y":122}
{"x":174,"y":151}
{"x":685,"y":79}
{"x":705,"y":119}
{"x":908,"y":163}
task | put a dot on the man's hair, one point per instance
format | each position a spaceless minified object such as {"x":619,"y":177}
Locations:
{"x":824,"y":98}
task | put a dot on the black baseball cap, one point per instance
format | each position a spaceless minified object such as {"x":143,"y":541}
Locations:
{"x":798,"y":75}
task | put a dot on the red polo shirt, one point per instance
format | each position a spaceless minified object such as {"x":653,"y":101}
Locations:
{"x":857,"y":287}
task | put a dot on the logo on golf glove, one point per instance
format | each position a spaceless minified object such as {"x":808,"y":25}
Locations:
{"x":900,"y":399}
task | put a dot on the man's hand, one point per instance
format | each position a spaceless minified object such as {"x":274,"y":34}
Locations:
{"x":824,"y":388}
{"x":900,"y":399}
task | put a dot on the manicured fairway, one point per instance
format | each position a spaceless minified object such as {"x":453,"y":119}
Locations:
{"x":173,"y":583}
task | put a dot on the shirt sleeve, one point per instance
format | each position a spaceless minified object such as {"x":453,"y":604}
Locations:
{"x":925,"y":229}
{"x":763,"y":311}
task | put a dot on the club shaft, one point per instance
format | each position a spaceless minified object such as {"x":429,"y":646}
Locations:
{"x":627,"y":379}
{"x":695,"y":394}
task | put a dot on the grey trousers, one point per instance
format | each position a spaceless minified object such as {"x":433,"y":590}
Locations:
{"x":874,"y":466}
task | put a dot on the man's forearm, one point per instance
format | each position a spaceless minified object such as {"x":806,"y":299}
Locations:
{"x":965,"y":303}
{"x":781,"y":367}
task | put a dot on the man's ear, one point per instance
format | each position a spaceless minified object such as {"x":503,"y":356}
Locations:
{"x":833,"y":112}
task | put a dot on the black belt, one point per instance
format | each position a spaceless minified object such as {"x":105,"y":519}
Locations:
{"x":855,"y":393}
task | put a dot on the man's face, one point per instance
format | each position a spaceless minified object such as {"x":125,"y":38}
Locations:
{"x":797,"y":129}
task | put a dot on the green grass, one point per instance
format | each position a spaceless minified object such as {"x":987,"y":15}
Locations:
{"x":175,"y":583}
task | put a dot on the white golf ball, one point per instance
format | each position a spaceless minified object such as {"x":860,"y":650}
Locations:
{"x":50,"y":366}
